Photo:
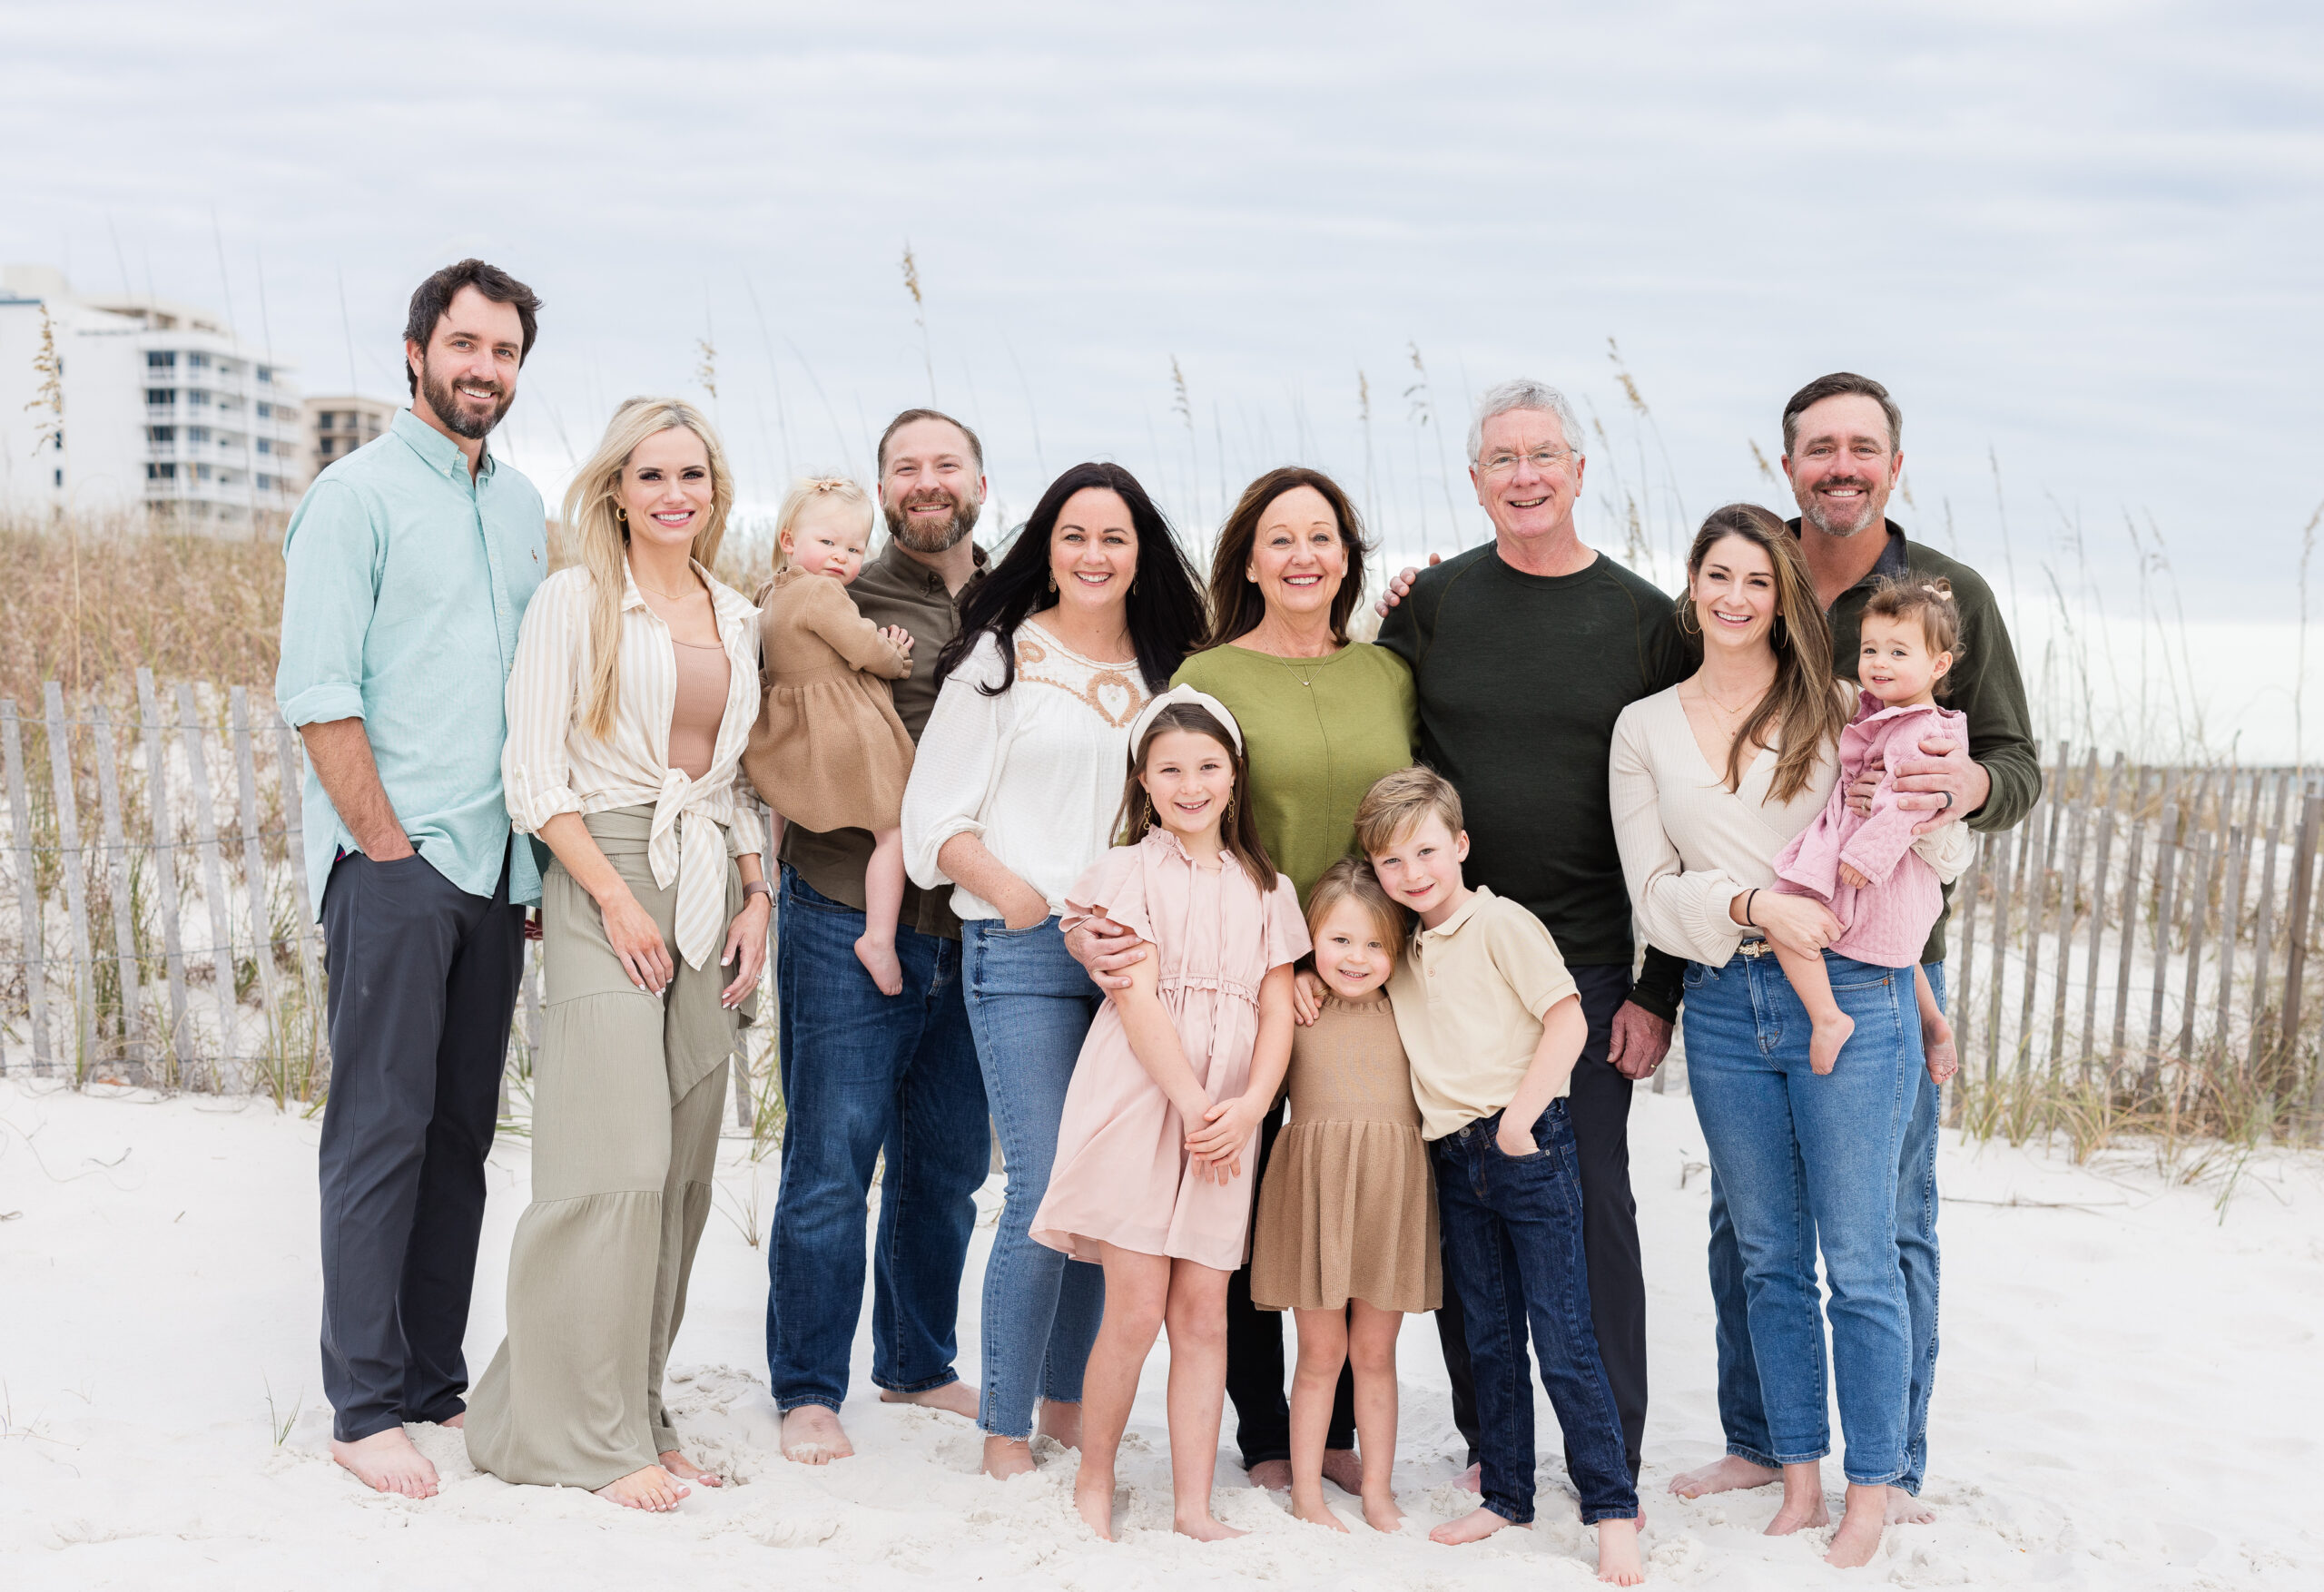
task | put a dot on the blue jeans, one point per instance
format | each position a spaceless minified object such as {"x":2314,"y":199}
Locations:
{"x":1807,"y":1162}
{"x":1740,"y":1411}
{"x":1513,"y":1256}
{"x":864,"y":1073}
{"x":1030,"y":1006}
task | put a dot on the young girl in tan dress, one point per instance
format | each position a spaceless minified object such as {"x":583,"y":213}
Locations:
{"x":1163,"y":1112}
{"x":1346,"y":1230}
{"x":827,"y":750}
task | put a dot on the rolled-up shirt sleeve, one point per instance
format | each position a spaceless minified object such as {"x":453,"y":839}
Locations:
{"x":535,"y":774}
{"x":1682,"y":910}
{"x":331,"y":557}
{"x":745,"y":837}
{"x":956,"y":764}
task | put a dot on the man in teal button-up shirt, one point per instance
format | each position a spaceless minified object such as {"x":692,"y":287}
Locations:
{"x":410,"y":563}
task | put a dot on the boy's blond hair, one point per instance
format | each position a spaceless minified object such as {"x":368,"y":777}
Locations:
{"x":1399,"y":801}
{"x":1350,"y":878}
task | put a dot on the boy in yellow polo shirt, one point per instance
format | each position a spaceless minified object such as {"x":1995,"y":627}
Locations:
{"x":1492,"y":1022}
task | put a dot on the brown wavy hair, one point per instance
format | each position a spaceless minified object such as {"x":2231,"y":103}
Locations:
{"x":1929,"y":600}
{"x":1235,"y":605}
{"x":1238,"y":832}
{"x":1804,"y":705}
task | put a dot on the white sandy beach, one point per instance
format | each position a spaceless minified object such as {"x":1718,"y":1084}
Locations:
{"x":2130,"y":1397}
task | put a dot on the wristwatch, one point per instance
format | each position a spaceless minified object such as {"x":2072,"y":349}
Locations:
{"x":759,"y":887}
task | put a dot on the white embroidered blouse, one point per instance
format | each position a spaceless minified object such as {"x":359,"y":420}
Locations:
{"x":1036,"y":772}
{"x":552,"y":764}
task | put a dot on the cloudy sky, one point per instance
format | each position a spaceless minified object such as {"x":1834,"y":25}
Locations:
{"x":2081,"y":241}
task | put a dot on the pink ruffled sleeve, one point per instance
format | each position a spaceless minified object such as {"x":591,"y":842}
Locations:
{"x":1115,"y":888}
{"x":1287,"y":931}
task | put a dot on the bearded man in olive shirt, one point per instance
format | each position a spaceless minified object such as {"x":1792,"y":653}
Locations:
{"x":864,"y":1073}
{"x":1524,"y":653}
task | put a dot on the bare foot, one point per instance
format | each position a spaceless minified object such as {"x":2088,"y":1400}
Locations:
{"x":1093,"y":1498}
{"x":1904,"y":1510}
{"x":1205,"y":1528}
{"x":1801,"y":1511}
{"x":1824,"y":1043}
{"x":955,"y":1396}
{"x":1343,"y":1468}
{"x":1312,"y":1509}
{"x":1473,"y":1526}
{"x":1383,"y":1515}
{"x":685,"y":1469}
{"x":1617,"y":1559}
{"x":1061,"y":1423}
{"x":1724,"y":1474}
{"x":1472,"y":1480}
{"x":1858,"y":1538}
{"x":1005,"y":1457}
{"x":652,"y":1488}
{"x":1274,"y":1475}
{"x":387,"y":1462}
{"x":879,"y":959}
{"x":1944,"y":1059}
{"x":811,"y":1435}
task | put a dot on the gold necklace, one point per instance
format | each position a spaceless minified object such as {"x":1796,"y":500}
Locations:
{"x":665,"y":596}
{"x":1724,"y":708}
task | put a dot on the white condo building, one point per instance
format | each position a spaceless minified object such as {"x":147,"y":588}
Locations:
{"x":153,"y":407}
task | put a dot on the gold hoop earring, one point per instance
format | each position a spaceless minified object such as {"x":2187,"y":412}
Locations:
{"x":1687,"y":623}
{"x":1052,"y":580}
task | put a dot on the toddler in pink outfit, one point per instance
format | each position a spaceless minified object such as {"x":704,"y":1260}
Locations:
{"x":1862,"y":866}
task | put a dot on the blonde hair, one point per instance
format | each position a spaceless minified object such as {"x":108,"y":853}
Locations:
{"x":812,"y":489}
{"x":601,"y":528}
{"x":1399,"y":801}
{"x":1350,"y":878}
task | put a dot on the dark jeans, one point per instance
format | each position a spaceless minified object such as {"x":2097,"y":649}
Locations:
{"x":1741,"y":1409}
{"x":1513,"y":1254}
{"x":423,"y":984}
{"x":1600,"y":1110}
{"x":863,"y":1074}
{"x":1255,"y":1365}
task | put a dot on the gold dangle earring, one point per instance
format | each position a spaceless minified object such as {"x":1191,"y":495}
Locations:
{"x":1052,"y":577}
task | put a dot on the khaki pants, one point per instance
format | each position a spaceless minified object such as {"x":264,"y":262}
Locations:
{"x":627,"y":1093}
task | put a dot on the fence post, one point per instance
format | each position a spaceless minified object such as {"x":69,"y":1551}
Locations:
{"x":2097,"y":930}
{"x":166,"y":873}
{"x":2069,"y":903}
{"x":213,"y":879}
{"x":2303,"y":879}
{"x":1959,"y":996}
{"x":2009,"y":840}
{"x":255,"y":864}
{"x":27,"y":889}
{"x":133,"y":1025}
{"x":2166,"y":903}
{"x":2204,"y":865}
{"x":2235,"y":856}
{"x":2132,"y":863}
{"x":292,"y":775}
{"x":76,"y":884}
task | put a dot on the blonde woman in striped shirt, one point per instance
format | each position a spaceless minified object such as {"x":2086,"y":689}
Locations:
{"x":635,"y":686}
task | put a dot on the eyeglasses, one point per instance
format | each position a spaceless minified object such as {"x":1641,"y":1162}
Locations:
{"x":1546,"y":458}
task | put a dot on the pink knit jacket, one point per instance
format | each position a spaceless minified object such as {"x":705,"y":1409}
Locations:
{"x":1887,"y":922}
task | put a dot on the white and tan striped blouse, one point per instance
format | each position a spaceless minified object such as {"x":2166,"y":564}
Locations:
{"x":552,"y":764}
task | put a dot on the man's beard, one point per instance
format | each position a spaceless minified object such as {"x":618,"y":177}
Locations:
{"x":445,"y":403}
{"x":1813,"y":511}
{"x":937,"y":538}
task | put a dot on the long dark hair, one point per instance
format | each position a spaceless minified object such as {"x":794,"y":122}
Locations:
{"x":1235,"y":605}
{"x":1804,"y":704}
{"x":1164,"y":608}
{"x":1238,"y":832}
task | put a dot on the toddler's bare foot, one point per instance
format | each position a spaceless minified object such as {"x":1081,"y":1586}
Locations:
{"x":1274,"y":1475}
{"x":879,"y":959}
{"x":1944,"y":1060}
{"x":1798,"y":1515}
{"x":1617,"y":1559}
{"x":1858,"y":1538}
{"x":1383,"y":1515}
{"x":685,"y":1469}
{"x":1824,"y":1044}
{"x":387,"y":1462}
{"x":1093,"y":1498}
{"x":811,"y":1435}
{"x":1723,"y":1475}
{"x":1061,"y":1423}
{"x":652,"y":1488}
{"x":956,"y":1395}
{"x":1005,"y":1457}
{"x":1472,"y":1480}
{"x":1310,"y":1508}
{"x":1205,"y":1528}
{"x":1343,"y":1468}
{"x":1473,"y":1526}
{"x":1904,"y":1510}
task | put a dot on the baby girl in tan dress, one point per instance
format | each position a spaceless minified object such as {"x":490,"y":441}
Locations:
{"x":1345,"y":1235}
{"x":828,"y":750}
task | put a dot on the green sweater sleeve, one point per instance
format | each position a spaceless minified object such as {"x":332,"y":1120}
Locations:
{"x":1986,"y":687}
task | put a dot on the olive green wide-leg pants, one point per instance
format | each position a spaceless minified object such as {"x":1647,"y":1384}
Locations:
{"x":627,"y":1093}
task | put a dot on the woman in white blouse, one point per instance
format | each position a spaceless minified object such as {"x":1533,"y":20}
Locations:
{"x":1711,"y":779}
{"x":1015,"y":791}
{"x":634,"y":690}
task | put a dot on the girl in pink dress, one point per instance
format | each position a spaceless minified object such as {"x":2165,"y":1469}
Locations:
{"x":1163,"y":1112}
{"x":1862,"y":866}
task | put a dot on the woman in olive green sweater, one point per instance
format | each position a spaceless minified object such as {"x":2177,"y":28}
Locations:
{"x":1323,"y":717}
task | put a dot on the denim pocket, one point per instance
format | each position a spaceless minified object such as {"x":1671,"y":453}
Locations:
{"x":1694,"y":974}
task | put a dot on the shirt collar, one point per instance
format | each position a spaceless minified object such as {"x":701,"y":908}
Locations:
{"x":439,"y":452}
{"x":1461,"y":915}
{"x":728,"y":606}
{"x":914,"y":575}
{"x":1895,"y":554}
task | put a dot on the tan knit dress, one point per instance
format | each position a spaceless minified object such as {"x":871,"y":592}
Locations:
{"x":1348,"y":1210}
{"x":828,"y":752}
